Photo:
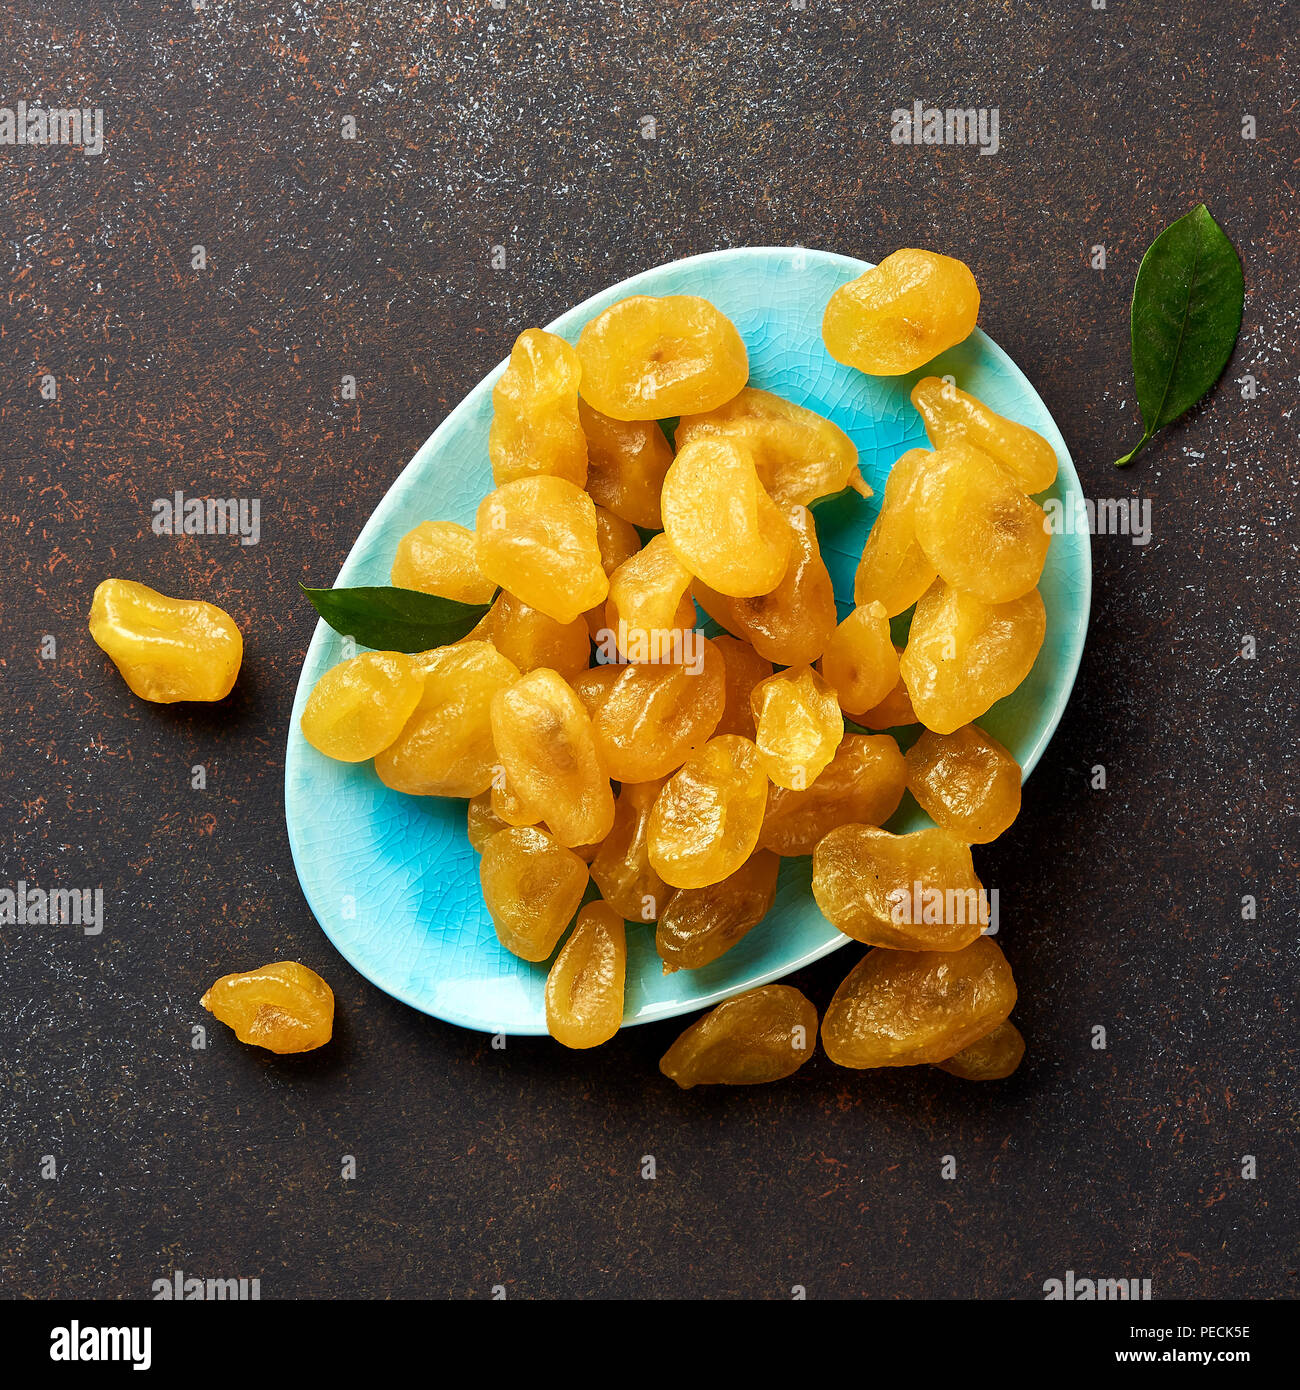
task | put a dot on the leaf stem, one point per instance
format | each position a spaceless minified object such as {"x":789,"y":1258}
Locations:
{"x":1133,"y":452}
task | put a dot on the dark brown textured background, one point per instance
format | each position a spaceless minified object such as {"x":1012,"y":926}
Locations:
{"x":519,"y":127}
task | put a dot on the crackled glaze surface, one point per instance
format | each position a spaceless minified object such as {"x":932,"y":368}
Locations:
{"x":393,"y":879}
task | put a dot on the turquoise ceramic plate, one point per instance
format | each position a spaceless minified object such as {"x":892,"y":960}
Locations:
{"x":392,"y":878}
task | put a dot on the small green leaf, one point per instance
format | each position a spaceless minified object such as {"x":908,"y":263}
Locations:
{"x":395,"y":620}
{"x":1186,"y":314}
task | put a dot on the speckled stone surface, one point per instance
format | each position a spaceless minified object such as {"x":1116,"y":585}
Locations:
{"x":372,"y":258}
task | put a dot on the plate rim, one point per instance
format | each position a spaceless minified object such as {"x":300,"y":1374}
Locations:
{"x":320,"y":634}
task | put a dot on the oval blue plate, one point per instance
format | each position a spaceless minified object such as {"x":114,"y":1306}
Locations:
{"x":393,"y":879}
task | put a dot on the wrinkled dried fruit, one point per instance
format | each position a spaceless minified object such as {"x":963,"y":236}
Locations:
{"x":619,"y":541}
{"x":530,"y":638}
{"x":167,"y":649}
{"x":532,"y":887}
{"x":622,"y":868}
{"x":745,"y":670}
{"x":445,"y":748}
{"x":965,"y":782}
{"x":545,"y":744}
{"x":440,"y":557}
{"x":894,"y":570}
{"x":902,"y":1008}
{"x":284,"y":1007}
{"x":360,"y":706}
{"x":508,"y":806}
{"x":626,"y":463}
{"x":799,"y":726}
{"x":862,"y":785}
{"x":914,"y":892}
{"x":649,"y":719}
{"x":720,"y":521}
{"x":584,"y":989}
{"x":762,"y":1035}
{"x":900,"y":314}
{"x":482,"y":822}
{"x":648,"y":358}
{"x":800,"y":455}
{"x":963,"y":655}
{"x":536,"y":537}
{"x":978,"y":528}
{"x":792,"y":624}
{"x":990,"y":1058}
{"x":894,"y":711}
{"x":705,"y":821}
{"x":953,"y":417}
{"x":649,"y":611}
{"x":700,"y":924}
{"x":860,"y":662}
{"x":535,"y":426}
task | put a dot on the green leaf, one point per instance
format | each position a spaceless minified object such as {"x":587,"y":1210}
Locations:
{"x":1186,"y":315}
{"x":395,"y":620}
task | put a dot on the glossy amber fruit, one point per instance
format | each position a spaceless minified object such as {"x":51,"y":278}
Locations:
{"x":964,"y":655}
{"x":903,"y":1008}
{"x":861,"y":785}
{"x":284,"y":1007}
{"x":860,"y":662}
{"x":546,"y":746}
{"x":894,"y":570}
{"x":621,"y":868}
{"x":649,"y":719}
{"x":894,"y":711}
{"x":649,"y":610}
{"x":445,"y":748}
{"x":791,"y":624}
{"x":536,"y":537}
{"x":618,"y":540}
{"x":532,"y":887}
{"x":482,"y":822}
{"x":700,"y":924}
{"x":953,"y":417}
{"x":649,"y":358}
{"x":705,"y":821}
{"x":979,"y":530}
{"x":990,"y":1058}
{"x":799,"y":726}
{"x":626,"y":463}
{"x":441,"y":557}
{"x":900,"y":314}
{"x":584,"y":989}
{"x":530,"y":638}
{"x":800,"y":455}
{"x":167,"y":649}
{"x":507,"y":804}
{"x":720,"y":521}
{"x":535,"y":426}
{"x":914,"y":892}
{"x":762,"y":1035}
{"x":965,"y":782}
{"x":360,"y":706}
{"x":744,"y":670}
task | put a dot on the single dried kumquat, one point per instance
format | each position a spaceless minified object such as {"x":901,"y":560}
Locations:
{"x":651,"y":358}
{"x":167,"y":649}
{"x":584,"y":989}
{"x":532,"y":886}
{"x":535,"y":426}
{"x":904,"y":1008}
{"x":283,"y":1007}
{"x":360,"y":706}
{"x":765,"y":1034}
